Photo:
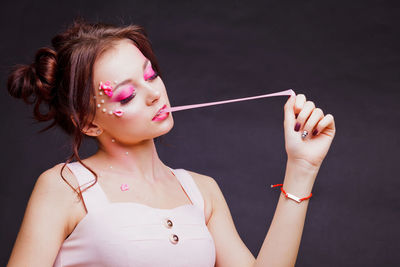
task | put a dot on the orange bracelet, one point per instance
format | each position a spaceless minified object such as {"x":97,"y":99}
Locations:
{"x":288,"y":195}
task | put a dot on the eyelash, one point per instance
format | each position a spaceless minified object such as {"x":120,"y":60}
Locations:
{"x":129,"y":98}
{"x":155,"y":75}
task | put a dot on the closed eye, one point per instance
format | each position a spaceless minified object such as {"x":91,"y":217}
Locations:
{"x":155,"y":75}
{"x":129,"y":98}
{"x":150,"y":73}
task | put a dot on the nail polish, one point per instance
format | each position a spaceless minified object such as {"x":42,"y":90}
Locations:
{"x":297,"y":127}
{"x":315,"y":132}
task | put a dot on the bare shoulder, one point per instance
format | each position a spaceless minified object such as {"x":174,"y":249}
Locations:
{"x":202,"y":180}
{"x":208,"y":183}
{"x":54,"y":180}
{"x":62,"y":194}
{"x":230,"y":248}
{"x":46,"y":221}
{"x":52,"y":177}
{"x":207,"y":186}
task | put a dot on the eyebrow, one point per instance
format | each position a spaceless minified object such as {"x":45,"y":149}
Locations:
{"x":146,"y":62}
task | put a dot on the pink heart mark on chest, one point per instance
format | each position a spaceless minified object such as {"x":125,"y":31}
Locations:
{"x":124,"y":187}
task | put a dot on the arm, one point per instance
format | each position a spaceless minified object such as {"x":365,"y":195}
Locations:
{"x":230,"y":249}
{"x":281,"y":245}
{"x":305,"y":156}
{"x":44,"y":226}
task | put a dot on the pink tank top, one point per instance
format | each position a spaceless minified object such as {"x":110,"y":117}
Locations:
{"x":125,"y":234}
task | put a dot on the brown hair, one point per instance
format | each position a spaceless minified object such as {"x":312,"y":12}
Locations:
{"x":61,"y":78}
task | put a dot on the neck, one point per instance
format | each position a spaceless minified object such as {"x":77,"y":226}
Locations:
{"x":139,"y":160}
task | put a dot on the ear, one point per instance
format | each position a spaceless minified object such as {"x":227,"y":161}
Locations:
{"x":91,"y":130}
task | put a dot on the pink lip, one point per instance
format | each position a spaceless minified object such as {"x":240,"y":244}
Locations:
{"x":119,"y":112}
{"x":160,"y":114}
{"x":161,"y":117}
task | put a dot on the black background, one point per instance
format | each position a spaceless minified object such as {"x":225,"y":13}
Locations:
{"x":343,"y":55}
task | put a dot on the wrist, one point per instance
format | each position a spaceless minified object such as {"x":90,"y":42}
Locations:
{"x":299,"y":178}
{"x":302,"y":165}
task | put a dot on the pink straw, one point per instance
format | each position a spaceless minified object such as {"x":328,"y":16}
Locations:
{"x":172,"y":109}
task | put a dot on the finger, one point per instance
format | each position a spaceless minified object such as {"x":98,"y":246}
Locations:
{"x":289,"y":117}
{"x":311,"y":123}
{"x":304,"y":114}
{"x":300,"y":101}
{"x":327,"y":124}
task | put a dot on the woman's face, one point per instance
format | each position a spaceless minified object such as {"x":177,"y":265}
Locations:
{"x":129,"y":93}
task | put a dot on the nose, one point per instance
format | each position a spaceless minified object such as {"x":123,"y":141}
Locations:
{"x":152,"y":95}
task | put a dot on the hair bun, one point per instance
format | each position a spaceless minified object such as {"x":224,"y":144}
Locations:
{"x":46,"y":67}
{"x":36,"y":80}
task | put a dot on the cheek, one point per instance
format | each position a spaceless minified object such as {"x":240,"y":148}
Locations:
{"x":127,"y":122}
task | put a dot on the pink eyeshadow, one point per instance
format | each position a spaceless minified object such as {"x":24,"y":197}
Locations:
{"x":149,"y":73}
{"x":126,"y":92}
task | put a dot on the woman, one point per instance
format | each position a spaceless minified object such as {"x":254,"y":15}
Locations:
{"x":123,"y":206}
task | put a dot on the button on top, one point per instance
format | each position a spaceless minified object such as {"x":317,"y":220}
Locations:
{"x":174,"y":239}
{"x":168,"y":223}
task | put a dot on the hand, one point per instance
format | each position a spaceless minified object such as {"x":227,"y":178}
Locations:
{"x":311,"y":150}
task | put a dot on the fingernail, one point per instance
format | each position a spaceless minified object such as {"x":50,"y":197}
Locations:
{"x":296,"y":115}
{"x":297,"y":127}
{"x":315,"y":132}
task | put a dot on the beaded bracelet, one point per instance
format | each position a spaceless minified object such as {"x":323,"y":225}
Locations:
{"x":288,"y":195}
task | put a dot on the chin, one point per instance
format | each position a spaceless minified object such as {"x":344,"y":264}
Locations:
{"x":166,"y":128}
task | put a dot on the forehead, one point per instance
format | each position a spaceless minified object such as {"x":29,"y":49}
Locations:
{"x":118,"y":62}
